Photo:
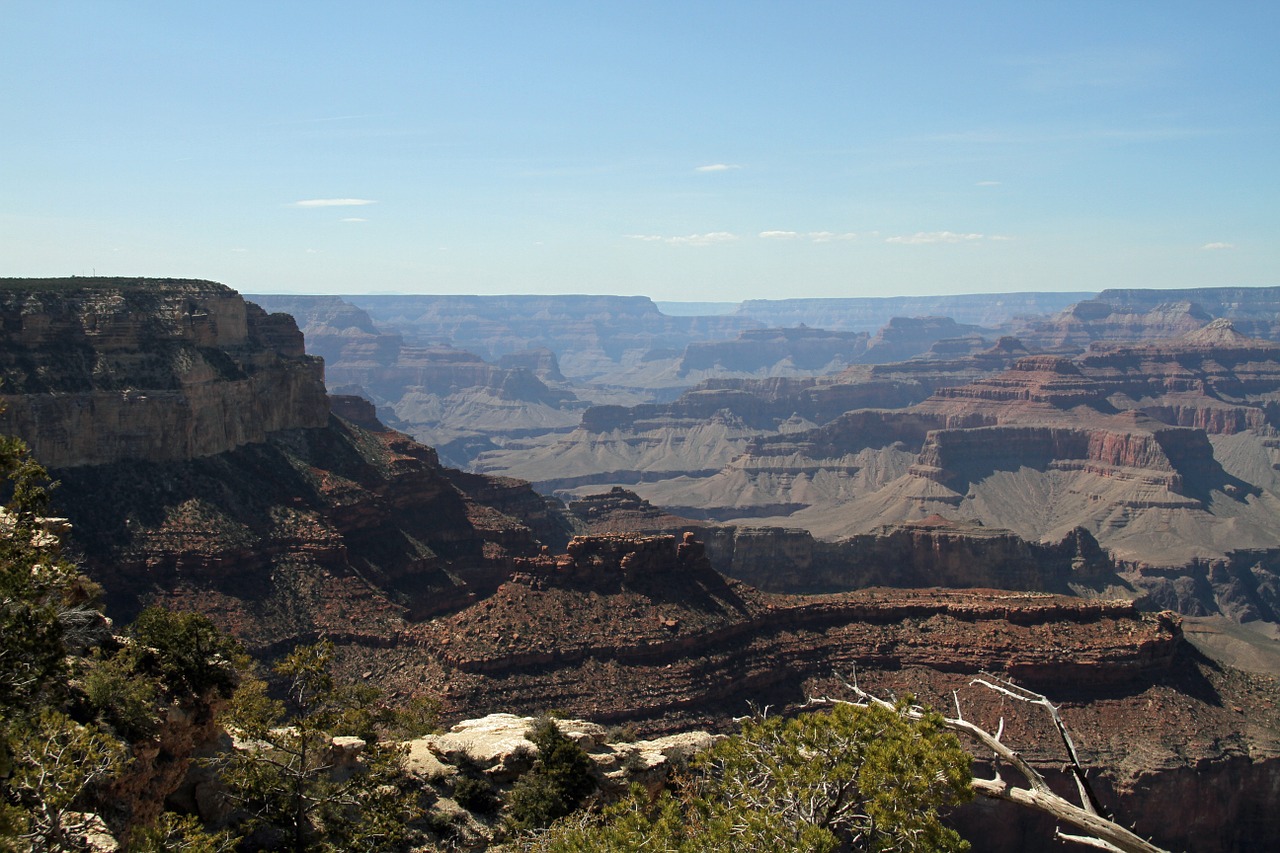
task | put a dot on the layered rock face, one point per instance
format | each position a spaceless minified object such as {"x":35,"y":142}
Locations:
{"x":766,"y":350}
{"x":1135,"y":315}
{"x":340,"y":530}
{"x":1132,"y":428}
{"x":590,"y":335}
{"x":1097,"y":320}
{"x":635,"y":603}
{"x":637,"y":628}
{"x":447,"y":397}
{"x":932,"y":552}
{"x":721,"y":418}
{"x":1255,"y":311}
{"x":904,"y":337}
{"x":199,"y":458}
{"x":97,"y":371}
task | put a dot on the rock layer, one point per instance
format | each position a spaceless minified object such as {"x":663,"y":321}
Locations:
{"x":97,"y":371}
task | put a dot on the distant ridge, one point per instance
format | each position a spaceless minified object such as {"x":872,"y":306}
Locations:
{"x":868,"y":313}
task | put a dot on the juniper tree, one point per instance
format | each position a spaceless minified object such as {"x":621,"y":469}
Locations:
{"x":283,"y":774}
{"x":852,"y":777}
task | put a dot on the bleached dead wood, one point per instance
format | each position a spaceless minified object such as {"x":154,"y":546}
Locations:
{"x":1100,"y":831}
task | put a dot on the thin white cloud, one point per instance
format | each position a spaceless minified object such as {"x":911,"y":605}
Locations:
{"x":921,"y":237}
{"x":717,"y":167}
{"x":353,"y":219}
{"x":814,"y":236}
{"x":333,"y":202}
{"x":1215,"y":246}
{"x":707,"y":239}
{"x":987,"y":184}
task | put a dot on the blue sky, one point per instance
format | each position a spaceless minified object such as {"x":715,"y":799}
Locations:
{"x":685,"y":151}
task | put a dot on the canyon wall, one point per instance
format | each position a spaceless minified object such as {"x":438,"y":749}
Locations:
{"x":105,"y":370}
{"x":870,"y":313}
{"x":204,"y":467}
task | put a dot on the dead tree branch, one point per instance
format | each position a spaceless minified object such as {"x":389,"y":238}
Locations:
{"x":1100,"y":830}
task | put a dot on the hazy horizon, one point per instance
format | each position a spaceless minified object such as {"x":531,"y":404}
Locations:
{"x":711,"y":152}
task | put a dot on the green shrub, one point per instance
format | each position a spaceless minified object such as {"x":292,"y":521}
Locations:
{"x":121,"y":698}
{"x":623,"y":733}
{"x":475,"y":795}
{"x":172,"y":832}
{"x":556,"y":785}
{"x":852,"y":778}
{"x":191,"y":653}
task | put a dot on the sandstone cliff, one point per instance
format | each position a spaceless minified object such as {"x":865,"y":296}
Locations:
{"x":716,"y":421}
{"x":199,"y":458}
{"x":97,"y":371}
{"x":904,"y":337}
{"x":932,"y":552}
{"x":768,"y":350}
{"x":447,"y":397}
{"x":590,"y":335}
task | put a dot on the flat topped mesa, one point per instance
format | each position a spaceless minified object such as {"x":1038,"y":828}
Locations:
{"x":101,"y":370}
{"x":612,"y":560}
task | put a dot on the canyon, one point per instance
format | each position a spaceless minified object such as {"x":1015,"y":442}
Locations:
{"x":204,"y":465}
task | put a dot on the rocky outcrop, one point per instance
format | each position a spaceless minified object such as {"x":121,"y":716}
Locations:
{"x":932,"y":552}
{"x":590,"y":335}
{"x":199,"y":458}
{"x":1253,"y":310}
{"x":904,"y":337}
{"x":622,"y":511}
{"x":645,"y":601}
{"x":541,"y":362}
{"x":447,"y":397}
{"x":97,"y":371}
{"x":498,"y":745}
{"x":764,"y":350}
{"x":1099,"y":320}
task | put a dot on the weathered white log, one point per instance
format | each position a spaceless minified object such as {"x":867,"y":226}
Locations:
{"x":1101,"y":832}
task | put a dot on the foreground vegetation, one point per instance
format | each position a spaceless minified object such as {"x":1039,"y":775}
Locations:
{"x":850,"y":778}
